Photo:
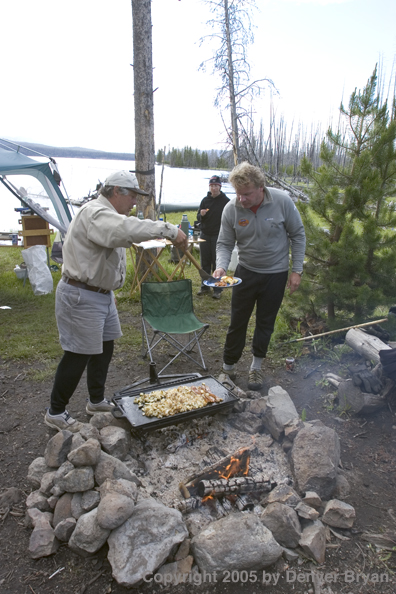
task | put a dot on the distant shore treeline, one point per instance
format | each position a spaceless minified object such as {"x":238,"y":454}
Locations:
{"x":31,"y":149}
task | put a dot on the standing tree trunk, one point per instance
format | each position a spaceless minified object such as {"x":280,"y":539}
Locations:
{"x":144,"y":105}
{"x":234,"y":118}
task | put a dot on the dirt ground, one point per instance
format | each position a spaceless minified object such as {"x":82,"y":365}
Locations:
{"x":368,"y":455}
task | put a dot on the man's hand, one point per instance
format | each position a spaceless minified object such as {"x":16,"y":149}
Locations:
{"x":293,"y":282}
{"x":204,"y":211}
{"x":181,"y":241}
{"x":219,"y":272}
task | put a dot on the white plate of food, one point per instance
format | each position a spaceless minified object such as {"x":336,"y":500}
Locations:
{"x":224,"y":282}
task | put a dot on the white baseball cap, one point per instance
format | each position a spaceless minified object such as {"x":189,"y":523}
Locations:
{"x":125,"y":179}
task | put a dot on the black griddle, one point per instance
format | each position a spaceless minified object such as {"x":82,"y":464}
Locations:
{"x":126,"y":407}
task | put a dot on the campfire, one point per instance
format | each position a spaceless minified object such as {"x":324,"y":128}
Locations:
{"x":224,"y":485}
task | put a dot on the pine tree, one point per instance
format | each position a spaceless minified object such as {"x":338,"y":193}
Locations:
{"x":351,"y":251}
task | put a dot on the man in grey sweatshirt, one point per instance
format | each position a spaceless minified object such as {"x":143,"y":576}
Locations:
{"x":264,"y":223}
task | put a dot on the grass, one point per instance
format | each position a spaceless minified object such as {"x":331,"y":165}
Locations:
{"x":28,"y":330}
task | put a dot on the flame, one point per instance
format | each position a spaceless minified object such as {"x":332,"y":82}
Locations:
{"x":238,"y":465}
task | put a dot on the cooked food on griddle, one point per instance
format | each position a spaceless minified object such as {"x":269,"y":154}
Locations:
{"x":226,"y":281}
{"x":165,"y":403}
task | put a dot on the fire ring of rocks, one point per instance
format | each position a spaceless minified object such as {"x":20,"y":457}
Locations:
{"x":169,"y":503}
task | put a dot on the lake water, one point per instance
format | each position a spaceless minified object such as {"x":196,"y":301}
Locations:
{"x":80,"y":176}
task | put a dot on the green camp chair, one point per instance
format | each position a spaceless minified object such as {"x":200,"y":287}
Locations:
{"x":167,"y":311}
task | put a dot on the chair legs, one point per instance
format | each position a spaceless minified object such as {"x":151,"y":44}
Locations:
{"x":148,"y":345}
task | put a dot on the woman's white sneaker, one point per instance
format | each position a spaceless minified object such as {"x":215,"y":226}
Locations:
{"x":62,"y":422}
{"x":104,"y":406}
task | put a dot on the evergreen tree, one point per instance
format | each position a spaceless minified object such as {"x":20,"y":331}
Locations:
{"x":351,"y":251}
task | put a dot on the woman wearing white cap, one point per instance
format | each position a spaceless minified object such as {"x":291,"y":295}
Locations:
{"x":94,"y":265}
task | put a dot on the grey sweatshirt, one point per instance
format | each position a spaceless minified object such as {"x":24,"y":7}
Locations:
{"x":263,"y":239}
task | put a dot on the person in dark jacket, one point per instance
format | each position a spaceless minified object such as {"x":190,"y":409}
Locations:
{"x":209,"y":215}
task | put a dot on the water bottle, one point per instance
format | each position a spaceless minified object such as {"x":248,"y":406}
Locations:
{"x":185,"y":225}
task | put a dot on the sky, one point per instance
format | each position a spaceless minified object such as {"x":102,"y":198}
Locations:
{"x":67,"y":78}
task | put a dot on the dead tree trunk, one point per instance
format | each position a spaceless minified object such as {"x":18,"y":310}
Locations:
{"x":366,"y":345}
{"x":144,"y":105}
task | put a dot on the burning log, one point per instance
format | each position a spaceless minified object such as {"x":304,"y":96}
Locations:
{"x":242,"y":484}
{"x":231,"y":465}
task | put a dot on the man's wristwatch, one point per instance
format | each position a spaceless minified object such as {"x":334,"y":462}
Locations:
{"x":300,"y":272}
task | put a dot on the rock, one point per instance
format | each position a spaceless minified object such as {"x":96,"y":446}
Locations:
{"x":115,"y":441}
{"x":119,"y":486}
{"x":246,"y":422}
{"x":312,"y":499}
{"x":78,"y":479}
{"x":43,"y":541}
{"x":87,"y":454}
{"x":313,"y":541}
{"x":287,"y":445}
{"x":282,"y":494}
{"x":306,"y":511}
{"x":290,"y":555}
{"x":47,"y":482}
{"x":196,"y":522}
{"x":144,"y":541}
{"x":339,"y":514}
{"x":65,"y":529}
{"x":176,"y":572}
{"x":89,"y":500}
{"x":62,"y":509}
{"x":109,"y":467}
{"x":253,"y":394}
{"x":314,"y":458}
{"x":57,"y":448}
{"x":10,"y":497}
{"x":214,"y":547}
{"x":352,"y":398}
{"x":52,"y":501}
{"x":100,"y":420}
{"x":36,"y":471}
{"x":257,"y":406}
{"x":114,"y":509}
{"x":88,"y":537}
{"x":284,"y":524}
{"x":89,"y":432}
{"x":76,"y":506}
{"x":240,"y":405}
{"x":280,"y":411}
{"x":34,"y":516}
{"x":183,"y":550}
{"x":342,"y":488}
{"x":77,"y":440}
{"x":38,"y":500}
{"x":292,"y":428}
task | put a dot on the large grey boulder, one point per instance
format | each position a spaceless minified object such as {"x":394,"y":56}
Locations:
{"x":88,"y":537}
{"x":237,"y":542}
{"x":144,"y":542}
{"x":280,"y":410}
{"x":314,"y":458}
